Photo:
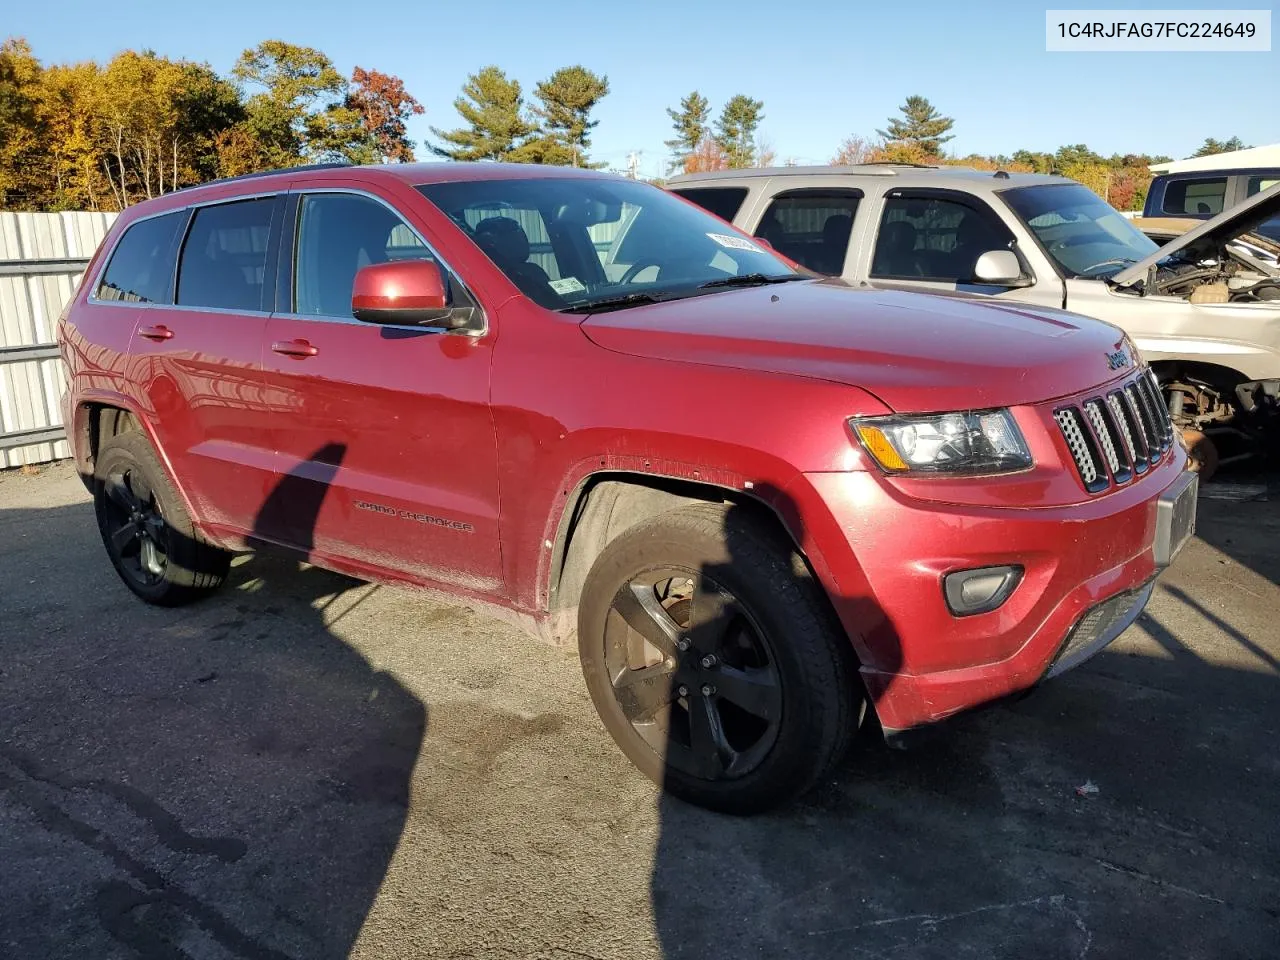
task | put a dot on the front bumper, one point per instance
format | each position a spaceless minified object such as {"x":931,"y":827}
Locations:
{"x":1089,"y":570}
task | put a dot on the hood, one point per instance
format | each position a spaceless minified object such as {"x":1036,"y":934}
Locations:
{"x":914,"y":351}
{"x":1213,"y":233}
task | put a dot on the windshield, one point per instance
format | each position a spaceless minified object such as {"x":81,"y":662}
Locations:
{"x":575,"y":243}
{"x":1081,"y":233}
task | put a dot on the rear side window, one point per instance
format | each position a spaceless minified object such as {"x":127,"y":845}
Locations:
{"x":724,"y":202}
{"x":224,"y":259}
{"x":141,"y":265}
{"x":812,"y":227}
{"x":1197,"y":197}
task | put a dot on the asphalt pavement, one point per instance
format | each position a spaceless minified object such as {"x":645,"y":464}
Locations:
{"x":305,"y":766}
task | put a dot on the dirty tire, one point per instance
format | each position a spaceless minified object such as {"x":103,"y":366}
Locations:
{"x":188,"y":568}
{"x":819,"y":696}
{"x":1202,"y":453}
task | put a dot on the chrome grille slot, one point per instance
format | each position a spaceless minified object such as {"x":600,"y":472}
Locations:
{"x":1103,"y":431}
{"x":1160,"y":407}
{"x":1150,"y":422}
{"x":1082,"y":448}
{"x":1128,"y":426}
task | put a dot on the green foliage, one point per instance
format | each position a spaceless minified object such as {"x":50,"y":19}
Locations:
{"x":736,"y":130}
{"x":563,"y":117}
{"x":690,"y":125}
{"x":921,"y":126}
{"x":1212,"y":146}
{"x":493,"y":108}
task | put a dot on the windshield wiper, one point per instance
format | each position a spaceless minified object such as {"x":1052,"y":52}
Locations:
{"x":751,"y":280}
{"x":606,"y":304}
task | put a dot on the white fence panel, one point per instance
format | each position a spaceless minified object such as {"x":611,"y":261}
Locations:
{"x":34,"y":287}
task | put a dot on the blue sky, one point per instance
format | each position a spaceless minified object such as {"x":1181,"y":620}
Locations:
{"x":823,"y":69}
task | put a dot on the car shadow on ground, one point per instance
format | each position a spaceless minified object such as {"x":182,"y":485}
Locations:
{"x":296,"y":759}
{"x":1124,"y":809}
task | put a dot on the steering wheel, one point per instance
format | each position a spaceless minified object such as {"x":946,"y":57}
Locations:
{"x":644,"y":264}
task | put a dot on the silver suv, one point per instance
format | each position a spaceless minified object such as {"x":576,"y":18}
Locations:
{"x":1204,"y":308}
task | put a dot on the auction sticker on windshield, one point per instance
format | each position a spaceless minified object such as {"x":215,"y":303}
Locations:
{"x":567,"y":285}
{"x":734,"y":243}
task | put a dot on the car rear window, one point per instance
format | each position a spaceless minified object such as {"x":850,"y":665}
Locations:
{"x":1197,"y":197}
{"x":724,"y":202}
{"x":141,"y":265}
{"x":225,"y":257}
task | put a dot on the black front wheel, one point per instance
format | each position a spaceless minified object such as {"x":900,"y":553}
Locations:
{"x":145,"y":527}
{"x":714,"y":660}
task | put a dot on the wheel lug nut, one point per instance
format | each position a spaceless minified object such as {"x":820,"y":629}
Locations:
{"x":682,"y":645}
{"x":708,"y":689}
{"x":683,"y":691}
{"x":709,"y":661}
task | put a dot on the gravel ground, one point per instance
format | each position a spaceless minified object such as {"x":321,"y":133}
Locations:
{"x":306,"y":766}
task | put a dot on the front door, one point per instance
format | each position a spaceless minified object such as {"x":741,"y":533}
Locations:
{"x":385,"y":446}
{"x":929,"y":240}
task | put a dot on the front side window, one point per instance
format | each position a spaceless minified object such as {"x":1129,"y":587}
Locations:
{"x":1268,"y":228}
{"x":933,"y":238}
{"x":338,"y":233}
{"x":812,"y":227}
{"x":224,"y":259}
{"x":1195,"y":197}
{"x":578,"y":243}
{"x":141,"y":266}
{"x":1081,"y":233}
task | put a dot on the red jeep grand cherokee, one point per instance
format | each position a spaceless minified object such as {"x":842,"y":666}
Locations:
{"x":763,"y":502}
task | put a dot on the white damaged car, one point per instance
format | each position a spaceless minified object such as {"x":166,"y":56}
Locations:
{"x":1204,"y":308}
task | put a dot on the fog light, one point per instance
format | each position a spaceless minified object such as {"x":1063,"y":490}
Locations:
{"x":980,"y":590}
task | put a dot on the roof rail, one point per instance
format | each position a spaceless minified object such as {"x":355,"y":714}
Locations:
{"x":269,"y":173}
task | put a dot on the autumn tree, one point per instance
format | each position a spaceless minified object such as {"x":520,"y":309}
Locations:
{"x":921,"y":125}
{"x":492,"y":107}
{"x":20,"y":130}
{"x":563,"y":117}
{"x":708,"y":155}
{"x":1212,"y":146}
{"x":384,"y":107}
{"x":690,"y":125}
{"x":852,"y":151}
{"x":736,"y":130}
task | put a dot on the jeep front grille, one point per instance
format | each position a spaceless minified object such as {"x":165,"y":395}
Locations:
{"x":1114,"y":437}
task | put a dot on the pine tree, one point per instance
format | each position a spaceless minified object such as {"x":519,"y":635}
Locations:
{"x":736,"y":130}
{"x":493,"y":108}
{"x":690,"y":125}
{"x":923,"y":126}
{"x":1212,"y":146}
{"x":565,"y":102}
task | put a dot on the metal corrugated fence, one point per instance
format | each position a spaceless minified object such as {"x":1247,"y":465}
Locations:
{"x":42,"y":256}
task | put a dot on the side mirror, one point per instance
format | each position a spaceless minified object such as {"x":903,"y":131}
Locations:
{"x":408,"y":292}
{"x":1000,"y":268}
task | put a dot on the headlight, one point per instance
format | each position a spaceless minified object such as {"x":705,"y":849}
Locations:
{"x":985,"y":441}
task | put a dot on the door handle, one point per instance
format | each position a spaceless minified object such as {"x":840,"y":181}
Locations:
{"x":298,"y":349}
{"x":158,"y":332}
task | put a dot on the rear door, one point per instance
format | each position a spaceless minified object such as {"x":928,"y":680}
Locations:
{"x":812,"y":226}
{"x":384,"y":440}
{"x":199,"y":360}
